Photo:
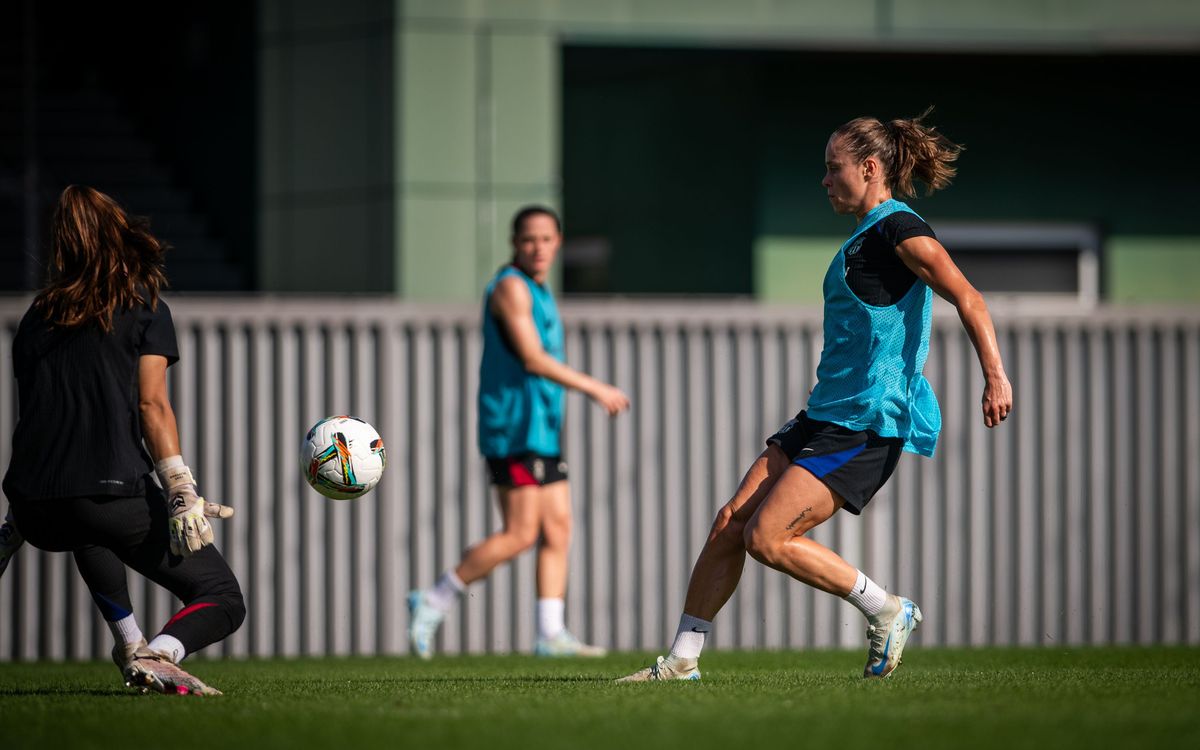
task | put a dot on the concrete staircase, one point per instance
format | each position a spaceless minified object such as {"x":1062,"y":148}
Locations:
{"x":84,"y":137}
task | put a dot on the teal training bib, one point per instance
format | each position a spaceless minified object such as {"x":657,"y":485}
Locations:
{"x":519,"y":412}
{"x":870,"y":374}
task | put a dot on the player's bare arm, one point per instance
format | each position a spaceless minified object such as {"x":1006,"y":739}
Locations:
{"x":928,"y":259}
{"x":512,"y":305}
{"x":159,"y":428}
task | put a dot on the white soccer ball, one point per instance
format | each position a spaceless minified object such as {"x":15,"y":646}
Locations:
{"x":342,"y":457}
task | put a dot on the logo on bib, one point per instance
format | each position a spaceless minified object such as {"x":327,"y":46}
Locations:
{"x":855,"y":247}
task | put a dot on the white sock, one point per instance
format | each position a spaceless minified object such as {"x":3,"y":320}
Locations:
{"x":125,"y":630}
{"x":550,"y":617}
{"x":170,"y":646}
{"x":867,"y":596}
{"x":689,"y":639}
{"x":445,"y":592}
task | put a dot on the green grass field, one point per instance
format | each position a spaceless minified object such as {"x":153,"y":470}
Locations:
{"x":994,"y":698}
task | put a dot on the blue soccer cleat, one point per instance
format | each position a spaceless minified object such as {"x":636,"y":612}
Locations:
{"x":888,"y":637}
{"x":423,"y":622}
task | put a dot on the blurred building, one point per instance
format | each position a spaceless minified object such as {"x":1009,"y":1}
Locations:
{"x":371,"y":146}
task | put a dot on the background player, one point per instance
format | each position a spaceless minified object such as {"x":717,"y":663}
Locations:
{"x":521,"y":381}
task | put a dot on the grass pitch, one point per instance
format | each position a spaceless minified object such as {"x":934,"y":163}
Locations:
{"x":988,"y":698}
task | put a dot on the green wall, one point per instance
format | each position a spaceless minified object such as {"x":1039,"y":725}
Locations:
{"x":1060,"y":138}
{"x":396,"y":137}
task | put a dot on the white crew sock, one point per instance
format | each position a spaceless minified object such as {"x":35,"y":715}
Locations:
{"x":169,"y":645}
{"x":867,"y":596}
{"x":550,"y":617}
{"x":125,"y":630}
{"x":689,"y":639}
{"x":445,"y":592}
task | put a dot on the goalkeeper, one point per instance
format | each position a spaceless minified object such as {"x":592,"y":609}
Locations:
{"x":91,"y":357}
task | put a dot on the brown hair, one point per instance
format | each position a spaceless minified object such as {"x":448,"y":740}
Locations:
{"x":101,"y":260}
{"x":518,"y":221}
{"x":905,"y":148}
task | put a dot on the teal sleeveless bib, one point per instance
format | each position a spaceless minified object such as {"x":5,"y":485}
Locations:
{"x":519,"y":412}
{"x":870,"y":374}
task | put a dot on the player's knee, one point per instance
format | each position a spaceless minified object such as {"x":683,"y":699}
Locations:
{"x":557,"y":533}
{"x":727,"y":532}
{"x":523,"y":538}
{"x":760,"y":545}
{"x":235,"y":605}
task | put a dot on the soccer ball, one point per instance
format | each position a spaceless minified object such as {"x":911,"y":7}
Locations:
{"x":342,"y":457}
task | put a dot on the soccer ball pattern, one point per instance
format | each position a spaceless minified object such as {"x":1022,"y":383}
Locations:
{"x":342,"y":457}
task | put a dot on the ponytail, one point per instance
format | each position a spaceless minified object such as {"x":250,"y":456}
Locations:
{"x":907,"y":148}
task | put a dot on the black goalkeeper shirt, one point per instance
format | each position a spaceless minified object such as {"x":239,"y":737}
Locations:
{"x":79,"y":430}
{"x":874,"y":272}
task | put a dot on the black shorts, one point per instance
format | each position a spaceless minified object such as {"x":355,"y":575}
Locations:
{"x":853,"y":464}
{"x":527,"y":470}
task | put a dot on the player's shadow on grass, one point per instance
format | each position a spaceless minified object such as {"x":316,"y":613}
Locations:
{"x":530,"y":680}
{"x":29,"y":692}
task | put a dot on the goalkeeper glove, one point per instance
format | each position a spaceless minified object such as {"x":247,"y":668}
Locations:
{"x":187,"y":512}
{"x":10,"y":541}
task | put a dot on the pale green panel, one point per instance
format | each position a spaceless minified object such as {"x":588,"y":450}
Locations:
{"x":526,"y":118}
{"x":777,"y":16}
{"x":446,"y":10}
{"x":437,"y":240}
{"x":330,"y":248}
{"x":670,"y":17}
{"x":1152,"y":269}
{"x":791,"y":269}
{"x":329,"y":107}
{"x":1067,"y":17}
{"x":272,"y":121}
{"x":437,"y":92}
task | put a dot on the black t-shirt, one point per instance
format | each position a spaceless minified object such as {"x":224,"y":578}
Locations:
{"x":874,"y":272}
{"x":79,"y":429}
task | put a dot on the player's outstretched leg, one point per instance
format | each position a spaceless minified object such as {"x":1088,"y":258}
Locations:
{"x":423,"y":622}
{"x":669,"y":668}
{"x":153,"y":670}
{"x":888,"y":634}
{"x":566,"y":644}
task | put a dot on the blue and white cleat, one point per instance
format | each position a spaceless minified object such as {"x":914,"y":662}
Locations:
{"x":665,"y":669}
{"x":423,"y":622}
{"x":566,"y":644}
{"x":888,"y":638}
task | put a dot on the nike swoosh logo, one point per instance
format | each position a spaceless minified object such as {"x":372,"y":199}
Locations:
{"x":887,"y":647}
{"x":698,"y":630}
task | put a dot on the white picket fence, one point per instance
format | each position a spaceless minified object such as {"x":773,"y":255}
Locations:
{"x":1076,"y":522}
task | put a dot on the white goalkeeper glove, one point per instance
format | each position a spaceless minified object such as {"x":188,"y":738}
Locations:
{"x":10,"y":541}
{"x":187,"y":512}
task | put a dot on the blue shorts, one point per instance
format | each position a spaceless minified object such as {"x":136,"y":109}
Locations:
{"x":852,"y":463}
